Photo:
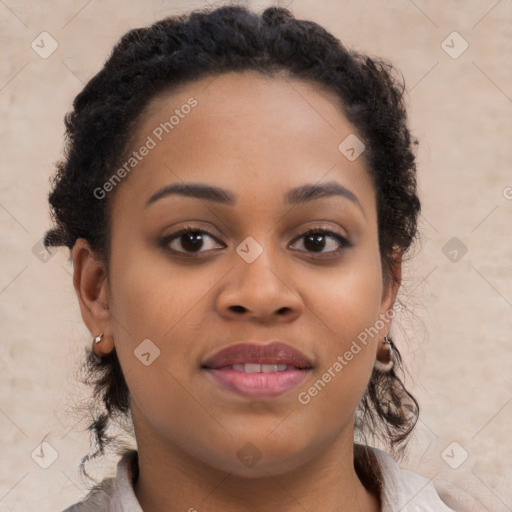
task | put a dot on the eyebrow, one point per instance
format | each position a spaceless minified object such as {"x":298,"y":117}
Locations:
{"x":294,"y":196}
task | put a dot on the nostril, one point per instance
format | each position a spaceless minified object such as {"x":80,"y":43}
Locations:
{"x":238,"y":309}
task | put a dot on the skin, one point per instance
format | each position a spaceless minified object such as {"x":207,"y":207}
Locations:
{"x":258,"y":137}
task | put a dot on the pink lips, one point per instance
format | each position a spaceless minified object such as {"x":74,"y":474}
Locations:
{"x":260,"y":384}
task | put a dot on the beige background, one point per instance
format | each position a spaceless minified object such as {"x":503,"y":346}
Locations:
{"x":457,"y":342}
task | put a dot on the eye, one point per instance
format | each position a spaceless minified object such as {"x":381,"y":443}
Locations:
{"x":317,"y":239}
{"x":191,"y":239}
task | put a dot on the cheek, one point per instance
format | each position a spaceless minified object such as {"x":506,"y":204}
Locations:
{"x":153,"y":306}
{"x":150,"y":297}
{"x":347,"y":312}
{"x":165,"y":304}
{"x":349,"y":300}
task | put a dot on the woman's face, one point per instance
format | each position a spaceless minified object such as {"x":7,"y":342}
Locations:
{"x":249,"y":275}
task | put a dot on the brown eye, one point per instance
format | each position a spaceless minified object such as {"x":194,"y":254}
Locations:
{"x":316,"y":240}
{"x":189,"y":240}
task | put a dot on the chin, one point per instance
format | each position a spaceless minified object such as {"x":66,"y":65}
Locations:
{"x":253,"y":461}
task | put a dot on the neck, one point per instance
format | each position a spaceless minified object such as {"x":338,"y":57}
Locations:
{"x":171,"y":479}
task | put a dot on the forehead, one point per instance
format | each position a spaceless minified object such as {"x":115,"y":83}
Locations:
{"x":248,"y":87}
{"x":238,"y":128}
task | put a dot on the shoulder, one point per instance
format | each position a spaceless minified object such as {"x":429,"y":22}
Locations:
{"x":113,"y":494}
{"x":455,"y":497}
{"x":408,"y":491}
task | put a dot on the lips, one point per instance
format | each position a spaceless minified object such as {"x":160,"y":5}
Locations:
{"x":274,"y":353}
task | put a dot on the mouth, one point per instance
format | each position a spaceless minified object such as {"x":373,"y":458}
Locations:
{"x":258,"y":370}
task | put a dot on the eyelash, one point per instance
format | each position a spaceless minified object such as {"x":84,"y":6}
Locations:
{"x":344,"y":243}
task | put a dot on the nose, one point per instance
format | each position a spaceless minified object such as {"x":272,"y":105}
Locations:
{"x":261,"y":291}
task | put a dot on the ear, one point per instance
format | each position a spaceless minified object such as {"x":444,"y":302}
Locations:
{"x":392,"y":279}
{"x":91,"y":286}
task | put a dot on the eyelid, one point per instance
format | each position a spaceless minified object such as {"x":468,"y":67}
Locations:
{"x":325,"y":231}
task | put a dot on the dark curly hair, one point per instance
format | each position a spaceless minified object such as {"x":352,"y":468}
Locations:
{"x":147,"y":62}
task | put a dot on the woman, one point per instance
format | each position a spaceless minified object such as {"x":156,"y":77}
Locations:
{"x":239,"y":192}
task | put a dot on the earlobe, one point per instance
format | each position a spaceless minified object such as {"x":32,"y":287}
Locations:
{"x":102,"y":346}
{"x":91,"y":286}
{"x":384,"y":361}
